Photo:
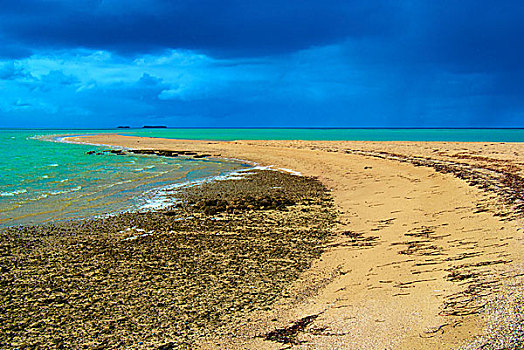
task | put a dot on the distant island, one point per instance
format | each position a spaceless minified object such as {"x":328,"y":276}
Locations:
{"x":123,"y":127}
{"x":154,"y":127}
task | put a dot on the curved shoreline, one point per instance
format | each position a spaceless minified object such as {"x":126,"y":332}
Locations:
{"x":411,"y":243}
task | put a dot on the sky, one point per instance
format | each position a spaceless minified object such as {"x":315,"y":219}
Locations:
{"x":232,"y":63}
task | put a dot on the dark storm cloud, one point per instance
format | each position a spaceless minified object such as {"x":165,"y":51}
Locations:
{"x":465,"y":35}
{"x":263,"y":63}
{"x":472,"y":35}
{"x":228,"y":27}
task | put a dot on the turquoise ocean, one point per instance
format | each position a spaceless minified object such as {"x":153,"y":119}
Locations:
{"x":464,"y":135}
{"x":43,"y":180}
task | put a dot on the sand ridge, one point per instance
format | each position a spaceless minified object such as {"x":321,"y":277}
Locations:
{"x":417,"y":250}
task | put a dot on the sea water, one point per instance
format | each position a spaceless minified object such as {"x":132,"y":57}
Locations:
{"x":335,"y":134}
{"x":43,"y":181}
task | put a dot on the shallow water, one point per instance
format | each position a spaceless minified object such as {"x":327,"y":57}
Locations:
{"x":466,"y":135}
{"x":44,"y":181}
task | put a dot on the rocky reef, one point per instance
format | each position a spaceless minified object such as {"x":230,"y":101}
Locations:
{"x":162,"y":153}
{"x":161,"y":279}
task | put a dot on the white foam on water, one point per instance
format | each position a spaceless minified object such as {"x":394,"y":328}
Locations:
{"x":267,"y":167}
{"x":64,"y":139}
{"x":156,"y":203}
{"x":12,"y":193}
{"x":163,"y":198}
{"x":159,"y":198}
{"x":74,"y":189}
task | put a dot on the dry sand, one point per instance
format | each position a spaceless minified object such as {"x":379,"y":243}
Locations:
{"x":428,"y":232}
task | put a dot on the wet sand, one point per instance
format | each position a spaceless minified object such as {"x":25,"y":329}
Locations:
{"x":428,"y":236}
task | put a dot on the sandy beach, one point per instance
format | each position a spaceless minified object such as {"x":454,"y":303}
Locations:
{"x":427,"y":244}
{"x":428,"y":234}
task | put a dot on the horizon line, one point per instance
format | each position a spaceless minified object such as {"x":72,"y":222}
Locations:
{"x":271,"y":127}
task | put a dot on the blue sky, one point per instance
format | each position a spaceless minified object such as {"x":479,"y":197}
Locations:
{"x":103,"y":63}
